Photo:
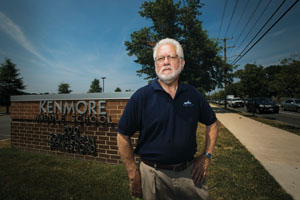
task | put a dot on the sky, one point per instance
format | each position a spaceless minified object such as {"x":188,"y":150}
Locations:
{"x":73,"y":41}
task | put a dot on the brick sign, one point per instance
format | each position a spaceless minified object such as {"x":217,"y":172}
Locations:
{"x":79,"y":126}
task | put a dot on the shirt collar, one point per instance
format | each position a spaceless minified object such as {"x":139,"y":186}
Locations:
{"x":157,"y":87}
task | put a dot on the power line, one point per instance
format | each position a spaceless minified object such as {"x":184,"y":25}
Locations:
{"x":260,"y":29}
{"x":251,"y":17}
{"x":222,"y":18}
{"x":243,"y":13}
{"x":254,"y":24}
{"x":267,"y":30}
{"x":240,"y":18}
{"x":236,"y":2}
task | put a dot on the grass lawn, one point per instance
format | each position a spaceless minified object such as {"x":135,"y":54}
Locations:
{"x":31,"y":176}
{"x":234,"y":174}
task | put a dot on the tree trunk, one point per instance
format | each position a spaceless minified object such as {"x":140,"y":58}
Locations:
{"x":253,"y":107}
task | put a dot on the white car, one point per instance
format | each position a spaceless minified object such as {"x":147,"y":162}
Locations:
{"x":235,"y":102}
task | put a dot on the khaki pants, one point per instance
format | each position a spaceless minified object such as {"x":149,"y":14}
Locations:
{"x":166,"y":184}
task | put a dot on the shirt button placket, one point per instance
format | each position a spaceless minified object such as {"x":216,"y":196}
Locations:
{"x":173,"y":118}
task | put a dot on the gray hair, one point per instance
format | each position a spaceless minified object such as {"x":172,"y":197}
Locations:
{"x":177,"y":45}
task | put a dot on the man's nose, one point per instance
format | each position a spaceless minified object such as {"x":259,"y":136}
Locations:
{"x":166,"y":60}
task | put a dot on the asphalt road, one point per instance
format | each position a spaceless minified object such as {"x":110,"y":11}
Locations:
{"x":4,"y":126}
{"x":288,"y":117}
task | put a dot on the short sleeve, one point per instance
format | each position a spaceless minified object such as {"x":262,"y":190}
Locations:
{"x":206,"y":115}
{"x":129,"y":121}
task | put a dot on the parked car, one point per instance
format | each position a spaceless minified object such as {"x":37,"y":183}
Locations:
{"x":291,"y":104}
{"x":235,"y":102}
{"x":222,"y":102}
{"x":262,"y":104}
{"x":216,"y":101}
{"x":246,"y":101}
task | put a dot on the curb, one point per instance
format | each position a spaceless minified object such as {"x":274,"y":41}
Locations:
{"x":284,"y":123}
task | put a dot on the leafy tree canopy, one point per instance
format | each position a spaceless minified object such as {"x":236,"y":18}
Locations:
{"x":234,"y":89}
{"x":118,"y":89}
{"x":253,"y":80}
{"x":11,"y":83}
{"x":95,"y":86}
{"x":278,"y":81}
{"x":64,"y":88}
{"x":288,"y":80}
{"x":179,"y":21}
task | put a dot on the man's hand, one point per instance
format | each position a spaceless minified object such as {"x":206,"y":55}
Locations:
{"x":126,"y":153}
{"x":199,"y":172}
{"x":136,"y":183}
{"x":201,"y":163}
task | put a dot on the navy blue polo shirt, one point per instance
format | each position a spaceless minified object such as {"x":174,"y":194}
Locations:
{"x":167,"y":126}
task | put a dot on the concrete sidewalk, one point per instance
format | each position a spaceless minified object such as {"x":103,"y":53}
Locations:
{"x":276,"y":149}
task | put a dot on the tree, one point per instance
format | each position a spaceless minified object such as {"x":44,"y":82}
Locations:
{"x":289,"y":79}
{"x":203,"y":67}
{"x":234,"y":89}
{"x":63,"y":88}
{"x":95,"y":86}
{"x":218,"y":95}
{"x":118,"y":89}
{"x":274,"y":87}
{"x":284,"y":79}
{"x":253,"y":81}
{"x":10,"y":82}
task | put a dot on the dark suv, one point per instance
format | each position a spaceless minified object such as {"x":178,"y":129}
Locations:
{"x":262,"y":104}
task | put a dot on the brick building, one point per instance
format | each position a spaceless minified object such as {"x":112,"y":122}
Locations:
{"x":74,"y":125}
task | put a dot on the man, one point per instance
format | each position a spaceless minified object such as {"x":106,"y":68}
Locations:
{"x":166,"y":114}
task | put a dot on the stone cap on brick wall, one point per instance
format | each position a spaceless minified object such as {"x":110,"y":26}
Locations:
{"x":83,"y":96}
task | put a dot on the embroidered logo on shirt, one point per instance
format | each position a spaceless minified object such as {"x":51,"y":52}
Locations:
{"x":188,"y":104}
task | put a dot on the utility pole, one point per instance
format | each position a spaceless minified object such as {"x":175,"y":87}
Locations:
{"x":103,"y":83}
{"x":225,"y":68}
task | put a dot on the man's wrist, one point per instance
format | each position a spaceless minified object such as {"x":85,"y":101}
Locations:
{"x":132,"y":171}
{"x":207,"y":155}
{"x":132,"y":175}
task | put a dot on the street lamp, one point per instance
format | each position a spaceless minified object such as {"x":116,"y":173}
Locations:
{"x":103,"y":83}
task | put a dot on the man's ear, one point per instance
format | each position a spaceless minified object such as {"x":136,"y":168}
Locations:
{"x":182,"y":63}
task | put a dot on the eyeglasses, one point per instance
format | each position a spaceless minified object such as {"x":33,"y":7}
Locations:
{"x":171,"y":58}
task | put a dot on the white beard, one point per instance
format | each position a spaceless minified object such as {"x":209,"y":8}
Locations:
{"x":168,"y":79}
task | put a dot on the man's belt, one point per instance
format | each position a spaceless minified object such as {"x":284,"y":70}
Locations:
{"x":176,"y":167}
